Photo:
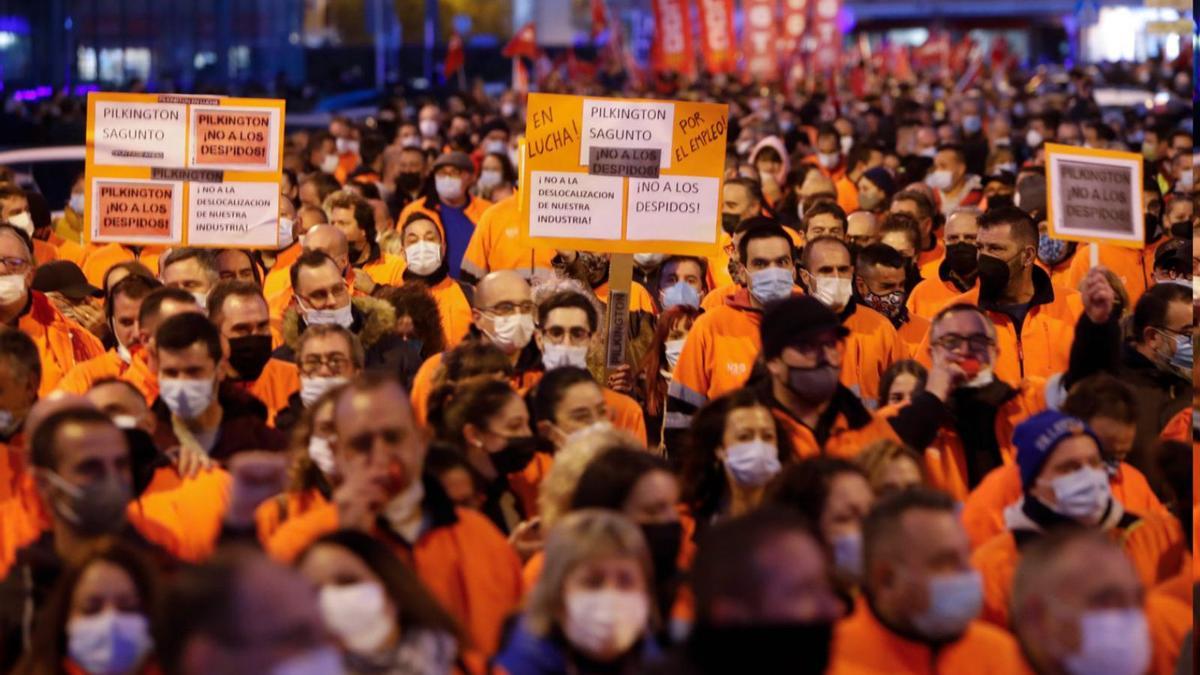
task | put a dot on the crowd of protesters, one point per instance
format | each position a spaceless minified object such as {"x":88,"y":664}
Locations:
{"x":891,"y":426}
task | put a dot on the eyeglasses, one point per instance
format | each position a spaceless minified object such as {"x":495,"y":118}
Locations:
{"x":336,"y":363}
{"x":510,"y":308}
{"x":558,"y":333}
{"x":952,"y":342}
{"x":363,"y":442}
{"x":14,"y":265}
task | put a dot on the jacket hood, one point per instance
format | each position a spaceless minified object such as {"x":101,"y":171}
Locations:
{"x":373,"y":319}
{"x":776,"y":144}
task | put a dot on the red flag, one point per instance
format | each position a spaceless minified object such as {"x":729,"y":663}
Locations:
{"x":828,"y":33}
{"x":523,"y":43}
{"x":760,"y":40}
{"x":793,"y":26}
{"x":599,"y":18}
{"x":716,"y":27}
{"x":672,"y":47}
{"x":456,"y":56}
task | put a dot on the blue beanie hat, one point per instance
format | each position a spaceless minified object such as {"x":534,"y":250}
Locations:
{"x":1037,"y":437}
{"x":882,"y":178}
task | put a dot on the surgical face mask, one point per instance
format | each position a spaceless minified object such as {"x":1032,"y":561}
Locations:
{"x":495,"y":147}
{"x":1082,"y":495}
{"x":507,"y":109}
{"x":1051,"y":251}
{"x":649,"y":260}
{"x":753,"y":463}
{"x":846,"y":143}
{"x":94,"y":509}
{"x":125,"y":421}
{"x":1004,"y":166}
{"x":201,"y":299}
{"x":847,"y":555}
{"x":1033,"y":138}
{"x":1114,"y":642}
{"x":108,"y":642}
{"x":813,"y":385}
{"x":972,"y":124}
{"x":604,"y":624}
{"x":410,"y":142}
{"x":929,"y":152}
{"x":511,"y":333}
{"x":8,"y":423}
{"x":341,"y":316}
{"x":599,"y":426}
{"x":771,"y":284}
{"x":673,"y":348}
{"x":424,"y":257}
{"x":346,"y":145}
{"x":449,"y":188}
{"x":12,"y":288}
{"x":22,"y":221}
{"x":318,"y":661}
{"x":429,"y":128}
{"x":941,"y":179}
{"x":680,"y":293}
{"x":329,"y":164}
{"x":557,"y":356}
{"x":828,"y":160}
{"x":76,"y":203}
{"x":955,"y":600}
{"x":286,"y":231}
{"x":187,"y":399}
{"x":490,"y":178}
{"x":313,"y":388}
{"x":889,"y":305}
{"x":358,"y":615}
{"x":1182,"y":359}
{"x":833,"y":291}
{"x":321,"y":454}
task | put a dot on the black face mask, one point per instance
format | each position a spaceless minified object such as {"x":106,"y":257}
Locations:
{"x":1153,"y":228}
{"x":409,"y":181}
{"x":963,"y":259}
{"x":729,"y":222}
{"x":664,"y":541}
{"x":249,"y":355}
{"x":355,"y":254}
{"x":1182,"y":229}
{"x":515,"y":456}
{"x":994,"y":275}
{"x":765,"y":648}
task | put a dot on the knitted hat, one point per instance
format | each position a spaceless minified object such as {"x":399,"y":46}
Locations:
{"x":1037,"y":437}
{"x":793,"y":320}
{"x":882,"y":178}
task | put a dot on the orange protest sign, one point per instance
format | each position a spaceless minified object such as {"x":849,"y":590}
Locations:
{"x":170,"y":169}
{"x":623,"y":175}
{"x":1094,"y":196}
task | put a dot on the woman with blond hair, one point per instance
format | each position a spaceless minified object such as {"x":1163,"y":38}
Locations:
{"x":592,"y":610}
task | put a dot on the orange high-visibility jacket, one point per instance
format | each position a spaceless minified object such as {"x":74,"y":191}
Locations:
{"x":388,"y":270}
{"x":193,"y":509}
{"x":872,"y":345}
{"x":278,"y":381}
{"x":1170,"y":620}
{"x":454,"y":308}
{"x":1133,"y":266}
{"x":99,"y":258}
{"x":931,"y":295}
{"x":1043,"y":346}
{"x":61,"y":343}
{"x":932,"y":257}
{"x":280,"y":277}
{"x":65,"y":249}
{"x":983,"y":509}
{"x":475,"y":208}
{"x":461,"y":558}
{"x":853,"y":427}
{"x":81,"y":378}
{"x":496,"y":244}
{"x":912,"y":334}
{"x":862,"y":645}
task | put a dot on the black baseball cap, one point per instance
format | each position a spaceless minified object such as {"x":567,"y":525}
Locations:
{"x":793,"y":320}
{"x":64,"y":276}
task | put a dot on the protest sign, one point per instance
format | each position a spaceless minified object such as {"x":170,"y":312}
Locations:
{"x":170,"y":170}
{"x":1094,"y":196}
{"x":623,"y":176}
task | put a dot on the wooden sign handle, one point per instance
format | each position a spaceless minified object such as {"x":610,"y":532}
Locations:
{"x":620,"y":280}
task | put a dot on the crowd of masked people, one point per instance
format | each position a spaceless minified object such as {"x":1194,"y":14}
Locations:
{"x":890,"y":426}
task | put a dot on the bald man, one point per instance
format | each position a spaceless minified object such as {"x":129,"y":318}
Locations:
{"x":503,"y":315}
{"x":861,"y":229}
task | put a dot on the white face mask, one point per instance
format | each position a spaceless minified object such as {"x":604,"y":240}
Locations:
{"x":955,"y":600}
{"x":318,"y":661}
{"x":201,"y":299}
{"x":286,"y":226}
{"x":423,"y":257}
{"x":673,"y":348}
{"x":941,"y":179}
{"x":346,"y":145}
{"x":1082,"y":495}
{"x":22,"y":221}
{"x":496,"y":147}
{"x":358,"y":615}
{"x":511,"y":333}
{"x":8,"y":423}
{"x":76,"y":203}
{"x":753,"y":463}
{"x":429,"y":128}
{"x":313,"y":388}
{"x":771,"y":284}
{"x":108,"y":642}
{"x":449,"y":188}
{"x":833,"y":291}
{"x":329,"y":164}
{"x":1115,"y":642}
{"x":1033,"y":138}
{"x":605,"y":623}
{"x":341,"y":316}
{"x":846,"y":142}
{"x":12,"y":288}
{"x":125,"y":421}
{"x":593,"y":428}
{"x":321,"y":454}
{"x":983,"y":378}
{"x":649,"y":259}
{"x":828,"y":160}
{"x":489,"y":178}
{"x":557,"y":356}
{"x":507,"y":109}
{"x":187,"y":399}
